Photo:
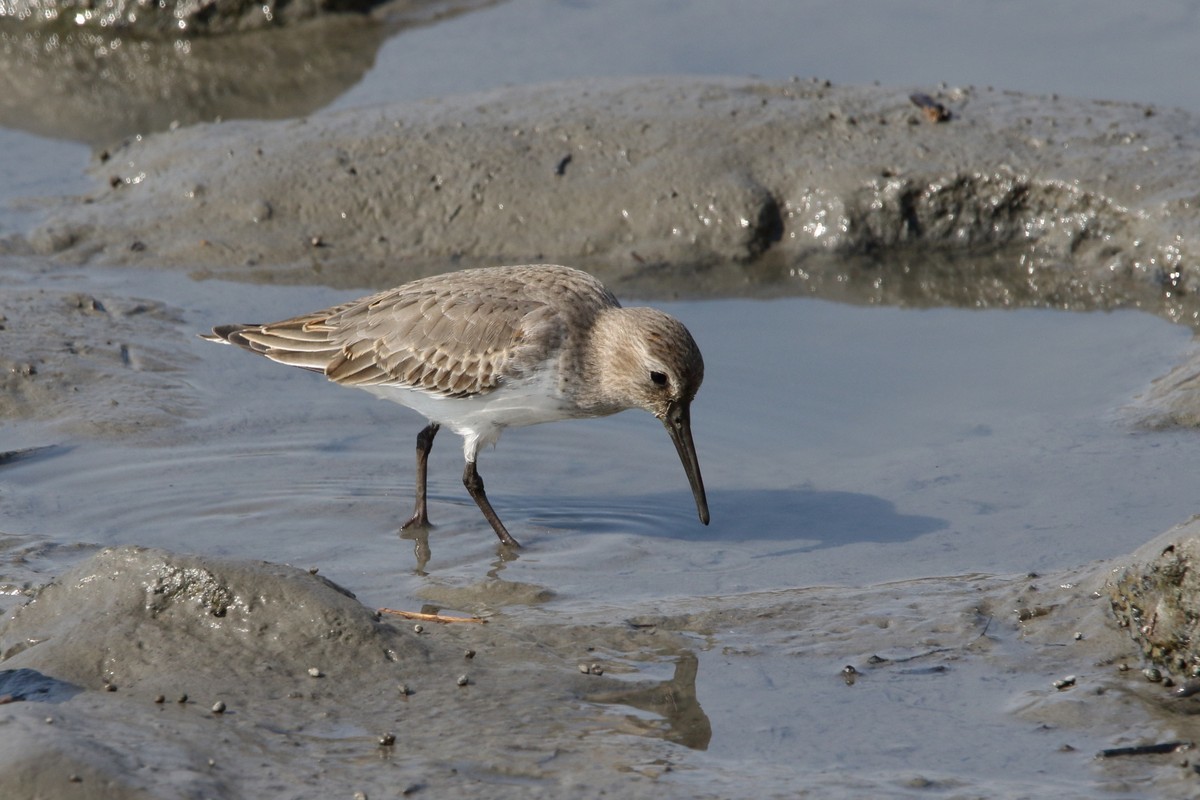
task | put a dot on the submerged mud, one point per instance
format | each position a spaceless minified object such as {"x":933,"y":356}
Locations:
{"x":108,"y":365}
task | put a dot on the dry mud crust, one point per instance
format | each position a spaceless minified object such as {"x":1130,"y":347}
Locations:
{"x":654,"y":182}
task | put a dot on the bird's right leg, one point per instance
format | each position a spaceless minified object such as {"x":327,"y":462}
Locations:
{"x":474,"y":485}
{"x":420,"y":517}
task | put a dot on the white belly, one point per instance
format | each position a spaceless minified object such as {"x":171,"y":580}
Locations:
{"x":480,"y":419}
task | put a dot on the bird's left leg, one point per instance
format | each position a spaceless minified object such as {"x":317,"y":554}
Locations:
{"x":420,"y":516}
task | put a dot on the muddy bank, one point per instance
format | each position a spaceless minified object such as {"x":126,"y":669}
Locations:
{"x":332,"y":699}
{"x":85,"y":83}
{"x":1172,"y":400}
{"x":664,"y":188}
{"x":674,"y":186}
{"x":171,"y":19}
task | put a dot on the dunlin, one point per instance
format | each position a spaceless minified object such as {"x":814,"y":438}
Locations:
{"x":487,"y":349}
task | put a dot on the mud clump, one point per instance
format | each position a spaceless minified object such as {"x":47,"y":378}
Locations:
{"x":224,"y":678}
{"x":1156,"y":596}
{"x":147,"y":618}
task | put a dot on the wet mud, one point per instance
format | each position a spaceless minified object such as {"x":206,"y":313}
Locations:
{"x":720,"y":186}
{"x":667,"y":188}
{"x":229,"y":678}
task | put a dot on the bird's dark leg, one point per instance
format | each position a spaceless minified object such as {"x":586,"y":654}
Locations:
{"x":474,"y":485}
{"x":420,"y":517}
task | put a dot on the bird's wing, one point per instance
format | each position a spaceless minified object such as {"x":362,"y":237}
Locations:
{"x":447,"y":338}
{"x":445,"y":341}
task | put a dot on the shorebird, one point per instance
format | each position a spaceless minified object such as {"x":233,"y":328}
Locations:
{"x":482,"y":350}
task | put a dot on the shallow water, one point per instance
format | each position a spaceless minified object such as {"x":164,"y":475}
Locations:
{"x":839,"y":445}
{"x":1091,"y":50}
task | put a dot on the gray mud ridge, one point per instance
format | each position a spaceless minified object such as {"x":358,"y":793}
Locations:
{"x":94,"y":670}
{"x":669,"y":187}
{"x":702,"y":187}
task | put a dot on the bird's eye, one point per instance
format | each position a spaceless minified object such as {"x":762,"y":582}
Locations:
{"x":659,"y":378}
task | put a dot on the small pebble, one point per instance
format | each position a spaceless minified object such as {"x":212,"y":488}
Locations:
{"x":160,"y":698}
{"x":74,"y":779}
{"x":387,"y":740}
{"x":463,"y":680}
{"x":597,"y":669}
{"x":49,"y":720}
{"x":1064,"y":683}
{"x":313,"y":672}
{"x":418,"y":628}
{"x":218,"y":707}
{"x":469,"y":654}
{"x":1152,"y":674}
{"x":110,"y":687}
{"x":585,"y":669}
{"x":360,"y":796}
{"x":182,"y":698}
{"x":1078,"y":636}
{"x":405,"y":690}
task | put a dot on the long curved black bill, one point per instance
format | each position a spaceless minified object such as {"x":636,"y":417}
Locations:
{"x":678,"y":422}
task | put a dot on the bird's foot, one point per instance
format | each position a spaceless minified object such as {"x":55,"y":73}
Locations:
{"x":507,"y":540}
{"x":420,"y":521}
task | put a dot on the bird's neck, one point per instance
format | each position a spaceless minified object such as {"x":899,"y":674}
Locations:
{"x":609,"y":356}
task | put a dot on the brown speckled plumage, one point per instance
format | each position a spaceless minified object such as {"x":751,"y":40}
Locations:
{"x":485,"y":349}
